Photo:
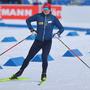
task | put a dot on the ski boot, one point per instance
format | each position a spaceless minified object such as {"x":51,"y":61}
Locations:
{"x":16,"y":75}
{"x":43,"y":77}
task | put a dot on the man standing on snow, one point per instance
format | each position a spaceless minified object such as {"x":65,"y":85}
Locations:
{"x":45,"y":24}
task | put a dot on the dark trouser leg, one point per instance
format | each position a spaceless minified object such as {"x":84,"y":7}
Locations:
{"x":45,"y":52}
{"x":34,"y":49}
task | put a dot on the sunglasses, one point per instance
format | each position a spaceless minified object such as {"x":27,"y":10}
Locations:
{"x":46,"y":9}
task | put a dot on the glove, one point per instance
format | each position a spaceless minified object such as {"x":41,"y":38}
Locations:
{"x":58,"y":33}
{"x":32,"y":30}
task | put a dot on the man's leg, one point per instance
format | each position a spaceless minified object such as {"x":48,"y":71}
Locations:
{"x":34,"y":49}
{"x":45,"y":52}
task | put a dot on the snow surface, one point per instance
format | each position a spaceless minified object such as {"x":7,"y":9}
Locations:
{"x":64,"y":73}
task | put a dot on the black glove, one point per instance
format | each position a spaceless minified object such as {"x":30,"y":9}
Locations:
{"x":58,"y":33}
{"x":32,"y":30}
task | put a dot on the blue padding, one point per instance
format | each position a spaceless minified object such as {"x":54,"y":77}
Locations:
{"x":70,"y":54}
{"x":25,"y":26}
{"x":14,"y":61}
{"x":61,"y":2}
{"x":38,"y":58}
{"x":25,"y":2}
{"x":76,"y":28}
{"x":72,"y":34}
{"x":9,"y":39}
{"x":15,"y":25}
{"x":88,"y":32}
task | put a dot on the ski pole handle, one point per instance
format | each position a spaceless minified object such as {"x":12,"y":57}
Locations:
{"x":33,"y":31}
{"x":54,"y":34}
{"x":57,"y":33}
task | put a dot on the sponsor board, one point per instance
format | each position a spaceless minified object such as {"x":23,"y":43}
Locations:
{"x":17,"y":11}
{"x":24,"y":11}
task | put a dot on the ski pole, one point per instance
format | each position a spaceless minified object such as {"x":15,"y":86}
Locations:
{"x":73,"y":52}
{"x":14,"y":45}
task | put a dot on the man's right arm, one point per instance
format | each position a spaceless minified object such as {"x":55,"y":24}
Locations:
{"x":59,"y":26}
{"x":29,"y":20}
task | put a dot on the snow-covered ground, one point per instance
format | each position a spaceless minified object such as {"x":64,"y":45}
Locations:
{"x":64,"y":73}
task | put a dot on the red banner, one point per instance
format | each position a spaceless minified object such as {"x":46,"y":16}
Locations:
{"x":24,"y":11}
{"x":56,"y":10}
{"x":17,"y":11}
